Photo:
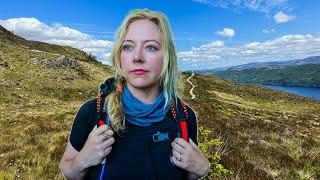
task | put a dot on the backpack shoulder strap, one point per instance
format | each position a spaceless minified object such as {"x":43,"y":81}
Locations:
{"x":181,"y":116}
{"x":105,"y":89}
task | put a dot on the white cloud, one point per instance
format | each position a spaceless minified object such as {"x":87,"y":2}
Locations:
{"x":218,"y":54}
{"x":33,"y":29}
{"x":269,"y":31}
{"x":187,"y":54}
{"x":264,"y":6}
{"x":281,"y":17}
{"x":213,"y":44}
{"x":253,"y":45}
{"x":226,"y":32}
{"x":248,"y":52}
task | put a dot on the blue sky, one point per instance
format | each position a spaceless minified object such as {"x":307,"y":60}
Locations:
{"x":208,"y":34}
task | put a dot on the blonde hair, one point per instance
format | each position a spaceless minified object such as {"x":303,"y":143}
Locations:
{"x":170,"y":77}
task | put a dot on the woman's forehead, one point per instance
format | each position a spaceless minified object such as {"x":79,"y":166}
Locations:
{"x":143,"y":30}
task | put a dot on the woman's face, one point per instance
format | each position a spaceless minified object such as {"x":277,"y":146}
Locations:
{"x":141,"y":54}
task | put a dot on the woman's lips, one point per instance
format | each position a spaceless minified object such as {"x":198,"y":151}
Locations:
{"x":139,"y":72}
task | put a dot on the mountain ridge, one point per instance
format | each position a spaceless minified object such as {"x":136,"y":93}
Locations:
{"x":301,"y":72}
{"x":10,"y":38}
{"x":258,"y":65}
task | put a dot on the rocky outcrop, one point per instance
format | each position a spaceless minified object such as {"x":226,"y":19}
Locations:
{"x":4,"y":64}
{"x":61,"y":61}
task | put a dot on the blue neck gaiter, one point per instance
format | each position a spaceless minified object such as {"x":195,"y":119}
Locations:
{"x":140,"y":114}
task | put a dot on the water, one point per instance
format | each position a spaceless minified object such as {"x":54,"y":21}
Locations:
{"x":301,"y":91}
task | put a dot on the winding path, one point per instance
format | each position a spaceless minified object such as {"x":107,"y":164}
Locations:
{"x":34,"y":50}
{"x":193,"y":86}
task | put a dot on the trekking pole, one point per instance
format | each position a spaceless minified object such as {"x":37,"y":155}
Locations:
{"x":103,"y":168}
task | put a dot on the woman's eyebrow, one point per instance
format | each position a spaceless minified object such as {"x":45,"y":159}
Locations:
{"x":153,"y":41}
{"x":148,"y":40}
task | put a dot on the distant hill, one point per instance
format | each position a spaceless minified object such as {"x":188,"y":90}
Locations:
{"x":300,"y":72}
{"x":307,"y":75}
{"x":9,"y":38}
{"x":268,"y":134}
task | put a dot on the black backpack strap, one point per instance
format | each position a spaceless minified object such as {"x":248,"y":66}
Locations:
{"x":181,"y":116}
{"x":105,"y":89}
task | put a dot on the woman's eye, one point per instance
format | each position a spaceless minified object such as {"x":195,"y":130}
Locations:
{"x":151,"y":48}
{"x":126,"y":47}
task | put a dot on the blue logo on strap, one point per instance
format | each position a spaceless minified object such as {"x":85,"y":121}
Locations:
{"x":157,"y":137}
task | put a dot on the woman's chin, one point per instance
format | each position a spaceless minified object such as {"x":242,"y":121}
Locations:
{"x":141,"y":84}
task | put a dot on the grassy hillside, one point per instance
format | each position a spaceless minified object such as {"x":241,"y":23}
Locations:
{"x":38,"y":104}
{"x":307,"y":75}
{"x":268,"y":133}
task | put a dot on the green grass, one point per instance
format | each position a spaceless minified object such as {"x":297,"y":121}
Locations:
{"x":272,"y":134}
{"x":37,"y":106}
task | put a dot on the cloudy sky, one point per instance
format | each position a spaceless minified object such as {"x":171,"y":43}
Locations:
{"x":207,"y":33}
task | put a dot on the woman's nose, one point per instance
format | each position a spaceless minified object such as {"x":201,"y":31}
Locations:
{"x":138,"y":56}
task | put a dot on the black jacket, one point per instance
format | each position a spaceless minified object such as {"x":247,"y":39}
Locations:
{"x":134,"y":155}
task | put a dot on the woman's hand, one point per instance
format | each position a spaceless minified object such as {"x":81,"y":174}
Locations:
{"x":97,"y":146}
{"x":189,"y":157}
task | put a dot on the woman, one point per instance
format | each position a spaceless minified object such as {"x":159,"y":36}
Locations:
{"x":148,"y":86}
